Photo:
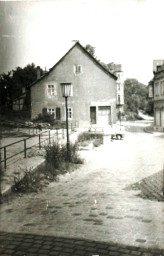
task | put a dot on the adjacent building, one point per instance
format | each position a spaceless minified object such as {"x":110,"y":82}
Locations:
{"x":156,"y":89}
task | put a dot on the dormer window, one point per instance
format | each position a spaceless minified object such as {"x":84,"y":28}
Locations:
{"x":77,"y":69}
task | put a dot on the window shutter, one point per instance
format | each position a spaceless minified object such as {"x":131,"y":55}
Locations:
{"x":58,"y":115}
{"x":44,"y":111}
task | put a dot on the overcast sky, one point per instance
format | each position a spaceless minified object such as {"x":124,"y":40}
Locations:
{"x":127,"y":32}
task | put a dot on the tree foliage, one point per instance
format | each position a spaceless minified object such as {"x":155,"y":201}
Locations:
{"x":136,"y":97}
{"x":90,"y":49}
{"x":135,"y":93}
{"x":11,"y":84}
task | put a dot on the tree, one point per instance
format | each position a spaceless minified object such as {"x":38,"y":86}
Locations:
{"x":90,"y":49}
{"x":136,"y":96}
{"x":11,"y":84}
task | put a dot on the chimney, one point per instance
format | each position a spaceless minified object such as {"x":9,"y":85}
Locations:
{"x":38,"y":72}
{"x":74,"y":42}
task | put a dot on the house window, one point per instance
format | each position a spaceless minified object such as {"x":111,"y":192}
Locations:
{"x":69,"y":111}
{"x":119,"y":86}
{"x":51,"y":90}
{"x":156,"y":89}
{"x":51,"y":111}
{"x":77,"y":69}
{"x":118,"y":76}
{"x":118,"y":99}
{"x":162,"y":87}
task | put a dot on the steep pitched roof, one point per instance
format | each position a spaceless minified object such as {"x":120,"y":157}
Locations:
{"x":87,"y":53}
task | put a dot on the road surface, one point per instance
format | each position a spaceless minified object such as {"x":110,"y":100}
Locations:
{"x":93,"y":202}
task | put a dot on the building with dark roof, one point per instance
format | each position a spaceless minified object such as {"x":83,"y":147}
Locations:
{"x":93,"y":98}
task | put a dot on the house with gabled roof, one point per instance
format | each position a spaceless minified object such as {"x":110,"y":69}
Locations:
{"x":93,"y":96}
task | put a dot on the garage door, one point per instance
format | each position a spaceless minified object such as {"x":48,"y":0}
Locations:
{"x":162,"y":117}
{"x":104,"y":115}
{"x":157,"y":117}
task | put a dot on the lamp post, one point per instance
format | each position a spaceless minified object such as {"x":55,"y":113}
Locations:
{"x":66,"y":92}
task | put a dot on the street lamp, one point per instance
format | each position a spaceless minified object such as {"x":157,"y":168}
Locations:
{"x":66,"y":92}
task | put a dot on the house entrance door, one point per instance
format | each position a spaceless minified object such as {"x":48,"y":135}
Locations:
{"x":93,"y":115}
{"x":104,"y":115}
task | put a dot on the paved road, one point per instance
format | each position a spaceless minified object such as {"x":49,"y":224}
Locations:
{"x":93,"y":202}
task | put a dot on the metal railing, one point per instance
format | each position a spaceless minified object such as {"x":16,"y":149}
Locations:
{"x":42,"y":137}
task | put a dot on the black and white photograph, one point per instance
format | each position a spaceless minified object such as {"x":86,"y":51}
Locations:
{"x":82,"y":128}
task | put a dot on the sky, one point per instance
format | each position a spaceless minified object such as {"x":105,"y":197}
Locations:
{"x":127,"y":32}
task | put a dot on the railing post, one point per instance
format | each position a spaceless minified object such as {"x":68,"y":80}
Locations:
{"x":49,"y":137}
{"x":63,"y":133}
{"x":57,"y":134}
{"x":39,"y":142}
{"x":24,"y":148}
{"x":5,"y":163}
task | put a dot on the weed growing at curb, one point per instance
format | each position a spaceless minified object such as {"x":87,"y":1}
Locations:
{"x":30,"y":182}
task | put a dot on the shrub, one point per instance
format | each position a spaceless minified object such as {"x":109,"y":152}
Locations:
{"x":45,"y":118}
{"x":57,"y":154}
{"x":49,"y":171}
{"x":97,"y":142}
{"x":85,"y":136}
{"x":56,"y":163}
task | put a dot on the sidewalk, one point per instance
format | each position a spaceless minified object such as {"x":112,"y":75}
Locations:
{"x":17,"y":166}
{"x":36,"y":245}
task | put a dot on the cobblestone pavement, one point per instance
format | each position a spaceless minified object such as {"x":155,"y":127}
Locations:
{"x":37,"y":245}
{"x":93,"y":202}
{"x":151,"y":187}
